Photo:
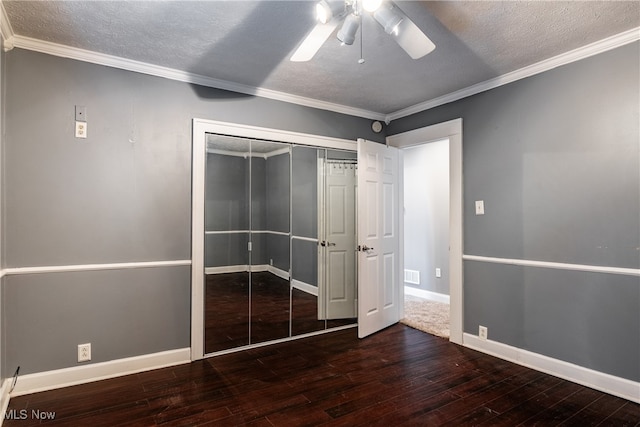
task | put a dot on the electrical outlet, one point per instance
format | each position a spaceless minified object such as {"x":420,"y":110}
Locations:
{"x":483,"y":332}
{"x":84,"y":352}
{"x":81,"y":129}
{"x":438,"y":273}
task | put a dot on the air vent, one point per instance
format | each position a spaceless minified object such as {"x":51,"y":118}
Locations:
{"x":412,"y":276}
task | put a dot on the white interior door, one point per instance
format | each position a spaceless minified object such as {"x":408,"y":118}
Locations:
{"x":379,"y":293}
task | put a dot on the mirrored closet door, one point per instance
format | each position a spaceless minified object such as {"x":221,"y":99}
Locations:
{"x":279,"y":241}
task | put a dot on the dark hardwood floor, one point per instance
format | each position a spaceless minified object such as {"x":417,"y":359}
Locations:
{"x":399,"y":376}
{"x":238,"y":314}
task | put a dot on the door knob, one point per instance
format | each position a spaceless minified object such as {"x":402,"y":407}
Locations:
{"x":364,"y":248}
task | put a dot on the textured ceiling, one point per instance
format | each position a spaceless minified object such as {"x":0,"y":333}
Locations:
{"x":249,"y":42}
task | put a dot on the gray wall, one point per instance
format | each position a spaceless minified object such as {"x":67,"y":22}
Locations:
{"x":305,"y":192}
{"x":555,"y":157}
{"x":305,"y":214}
{"x":426,"y":214}
{"x":121,"y":195}
{"x":121,"y":313}
{"x":278,"y":204}
{"x":278,"y":177}
{"x":226,"y":208}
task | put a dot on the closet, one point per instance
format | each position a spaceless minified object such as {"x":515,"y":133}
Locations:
{"x":279,"y":241}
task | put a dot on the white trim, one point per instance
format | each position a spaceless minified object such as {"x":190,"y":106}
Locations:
{"x":247,"y":154}
{"x":278,"y":272}
{"x":228,"y":153}
{"x":583,"y":52}
{"x":93,"y":267}
{"x":200,"y":128}
{"x":273,"y":153}
{"x":7,"y":36}
{"x":304,"y":287}
{"x":246,"y":268}
{"x":306,"y":239}
{"x":277,"y":233}
{"x":281,"y":340}
{"x":226,"y":269}
{"x":607,"y":383}
{"x":428,"y":295}
{"x":198,"y":172}
{"x":453,"y":131}
{"x":555,"y":265}
{"x":11,"y":40}
{"x":277,"y":135}
{"x":4,"y":398}
{"x":65,"y":377}
{"x":183,"y":76}
{"x":427,"y":134}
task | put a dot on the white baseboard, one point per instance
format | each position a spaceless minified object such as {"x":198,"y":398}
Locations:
{"x":304,"y":287}
{"x":49,"y":380}
{"x":226,"y":269}
{"x":607,"y":383}
{"x":424,"y":294}
{"x":280,"y":273}
{"x":242,"y":268}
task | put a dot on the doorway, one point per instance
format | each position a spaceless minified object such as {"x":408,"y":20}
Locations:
{"x":426,"y":237}
{"x":451,"y":130}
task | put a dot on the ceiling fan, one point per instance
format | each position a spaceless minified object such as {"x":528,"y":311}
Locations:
{"x":329,"y":14}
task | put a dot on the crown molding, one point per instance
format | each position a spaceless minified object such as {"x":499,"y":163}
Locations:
{"x":11,"y":40}
{"x":595,"y":48}
{"x":183,"y":76}
{"x":5,"y":29}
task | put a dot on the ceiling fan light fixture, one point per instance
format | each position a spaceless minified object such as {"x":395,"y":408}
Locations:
{"x":347,"y":33}
{"x":389,"y":19}
{"x":371,"y":5}
{"x":326,"y":10}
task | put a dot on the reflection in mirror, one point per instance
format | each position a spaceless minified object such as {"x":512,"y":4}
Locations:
{"x":304,"y":241}
{"x":279,"y":241}
{"x":337,"y":224}
{"x":337,"y":298}
{"x":270,"y":217}
{"x":323,"y":239}
{"x":227,"y":225}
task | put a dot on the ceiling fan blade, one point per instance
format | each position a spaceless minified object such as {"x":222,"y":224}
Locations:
{"x":412,"y":39}
{"x":314,"y":40}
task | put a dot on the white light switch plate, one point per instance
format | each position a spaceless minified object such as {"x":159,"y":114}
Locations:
{"x":479,"y":207}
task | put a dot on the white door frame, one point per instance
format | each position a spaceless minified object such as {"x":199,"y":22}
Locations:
{"x":453,"y":131}
{"x":200,"y":128}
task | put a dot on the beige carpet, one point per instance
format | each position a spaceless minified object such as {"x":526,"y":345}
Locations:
{"x":427,"y":316}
